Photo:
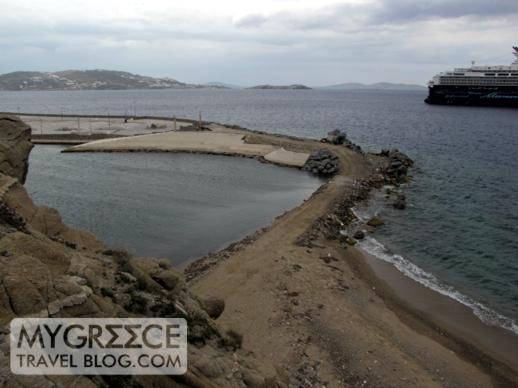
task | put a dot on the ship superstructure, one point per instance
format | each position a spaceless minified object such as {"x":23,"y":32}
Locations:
{"x":477,"y":85}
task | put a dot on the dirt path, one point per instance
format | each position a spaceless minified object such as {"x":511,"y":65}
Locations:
{"x":310,"y":312}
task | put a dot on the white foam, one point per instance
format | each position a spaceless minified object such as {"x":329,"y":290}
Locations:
{"x":485,"y":314}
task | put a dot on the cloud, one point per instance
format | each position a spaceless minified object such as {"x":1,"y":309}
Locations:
{"x":394,"y":11}
{"x":274,"y":41}
{"x":253,"y":20}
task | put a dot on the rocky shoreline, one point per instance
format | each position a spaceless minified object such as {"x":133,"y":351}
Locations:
{"x":51,"y":270}
{"x":286,"y":306}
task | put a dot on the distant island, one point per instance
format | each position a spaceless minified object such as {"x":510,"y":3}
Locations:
{"x":120,"y":80}
{"x":223,"y":85}
{"x":283,"y":87}
{"x":376,"y":86}
{"x":91,"y":80}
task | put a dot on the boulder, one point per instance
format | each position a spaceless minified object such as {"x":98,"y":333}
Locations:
{"x":336,"y":137}
{"x":359,"y":235}
{"x":375,"y":222}
{"x":397,"y":165}
{"x":168,"y":278}
{"x":213,"y":306}
{"x":15,"y":145}
{"x":400,"y":202}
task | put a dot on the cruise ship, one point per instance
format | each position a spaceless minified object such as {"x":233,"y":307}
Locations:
{"x":476,"y":85}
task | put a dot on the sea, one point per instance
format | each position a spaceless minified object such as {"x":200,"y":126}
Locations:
{"x":458,"y":235}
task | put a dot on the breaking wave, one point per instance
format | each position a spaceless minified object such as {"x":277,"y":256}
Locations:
{"x":485,"y":314}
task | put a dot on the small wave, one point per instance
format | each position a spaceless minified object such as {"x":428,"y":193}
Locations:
{"x":485,"y":314}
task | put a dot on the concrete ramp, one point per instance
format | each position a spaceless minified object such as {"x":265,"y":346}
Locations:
{"x":203,"y":142}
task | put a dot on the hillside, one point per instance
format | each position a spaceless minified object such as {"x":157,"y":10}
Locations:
{"x":90,"y":80}
{"x":283,"y":87}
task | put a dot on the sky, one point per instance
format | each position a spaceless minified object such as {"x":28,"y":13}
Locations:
{"x":242,"y":42}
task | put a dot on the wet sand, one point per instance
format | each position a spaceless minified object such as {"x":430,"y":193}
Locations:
{"x":451,"y":320}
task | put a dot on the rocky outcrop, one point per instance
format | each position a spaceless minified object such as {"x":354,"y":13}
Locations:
{"x":15,"y":145}
{"x":398,"y":164}
{"x":50,"y":270}
{"x":339,"y":137}
{"x":322,"y":162}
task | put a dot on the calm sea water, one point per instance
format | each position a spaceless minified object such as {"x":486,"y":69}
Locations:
{"x":461,"y":227}
{"x":176,"y":206}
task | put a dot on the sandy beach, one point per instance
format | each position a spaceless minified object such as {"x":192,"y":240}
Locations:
{"x":320,"y":311}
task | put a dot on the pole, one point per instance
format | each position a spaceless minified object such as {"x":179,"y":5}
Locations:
{"x":90,"y":125}
{"x":109,"y":121}
{"x":41,"y":125}
{"x":199,"y":120}
{"x":174,"y":123}
{"x":78,"y":124}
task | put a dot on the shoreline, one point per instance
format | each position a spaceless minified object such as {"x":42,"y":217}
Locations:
{"x":426,"y":311}
{"x":440,"y":316}
{"x":316,"y":222}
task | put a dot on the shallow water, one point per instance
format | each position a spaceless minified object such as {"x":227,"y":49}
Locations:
{"x":176,"y":206}
{"x":461,"y":225}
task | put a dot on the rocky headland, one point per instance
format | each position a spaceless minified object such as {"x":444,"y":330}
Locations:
{"x":97,"y":79}
{"x":48,"y":269}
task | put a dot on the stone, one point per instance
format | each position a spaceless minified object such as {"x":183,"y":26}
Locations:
{"x":127,"y":277}
{"x":399,"y":204}
{"x":15,"y":145}
{"x":375,"y":222}
{"x":168,"y":278}
{"x":359,"y":235}
{"x":336,"y":137}
{"x":397,"y":164}
{"x":213,"y":306}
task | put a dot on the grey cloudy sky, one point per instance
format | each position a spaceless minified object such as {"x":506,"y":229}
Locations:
{"x":268,"y":41}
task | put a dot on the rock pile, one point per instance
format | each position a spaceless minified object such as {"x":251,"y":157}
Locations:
{"x":398,"y":164}
{"x":336,"y":137}
{"x":339,"y":137}
{"x":322,"y":162}
{"x":194,"y":128}
{"x":332,"y":225}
